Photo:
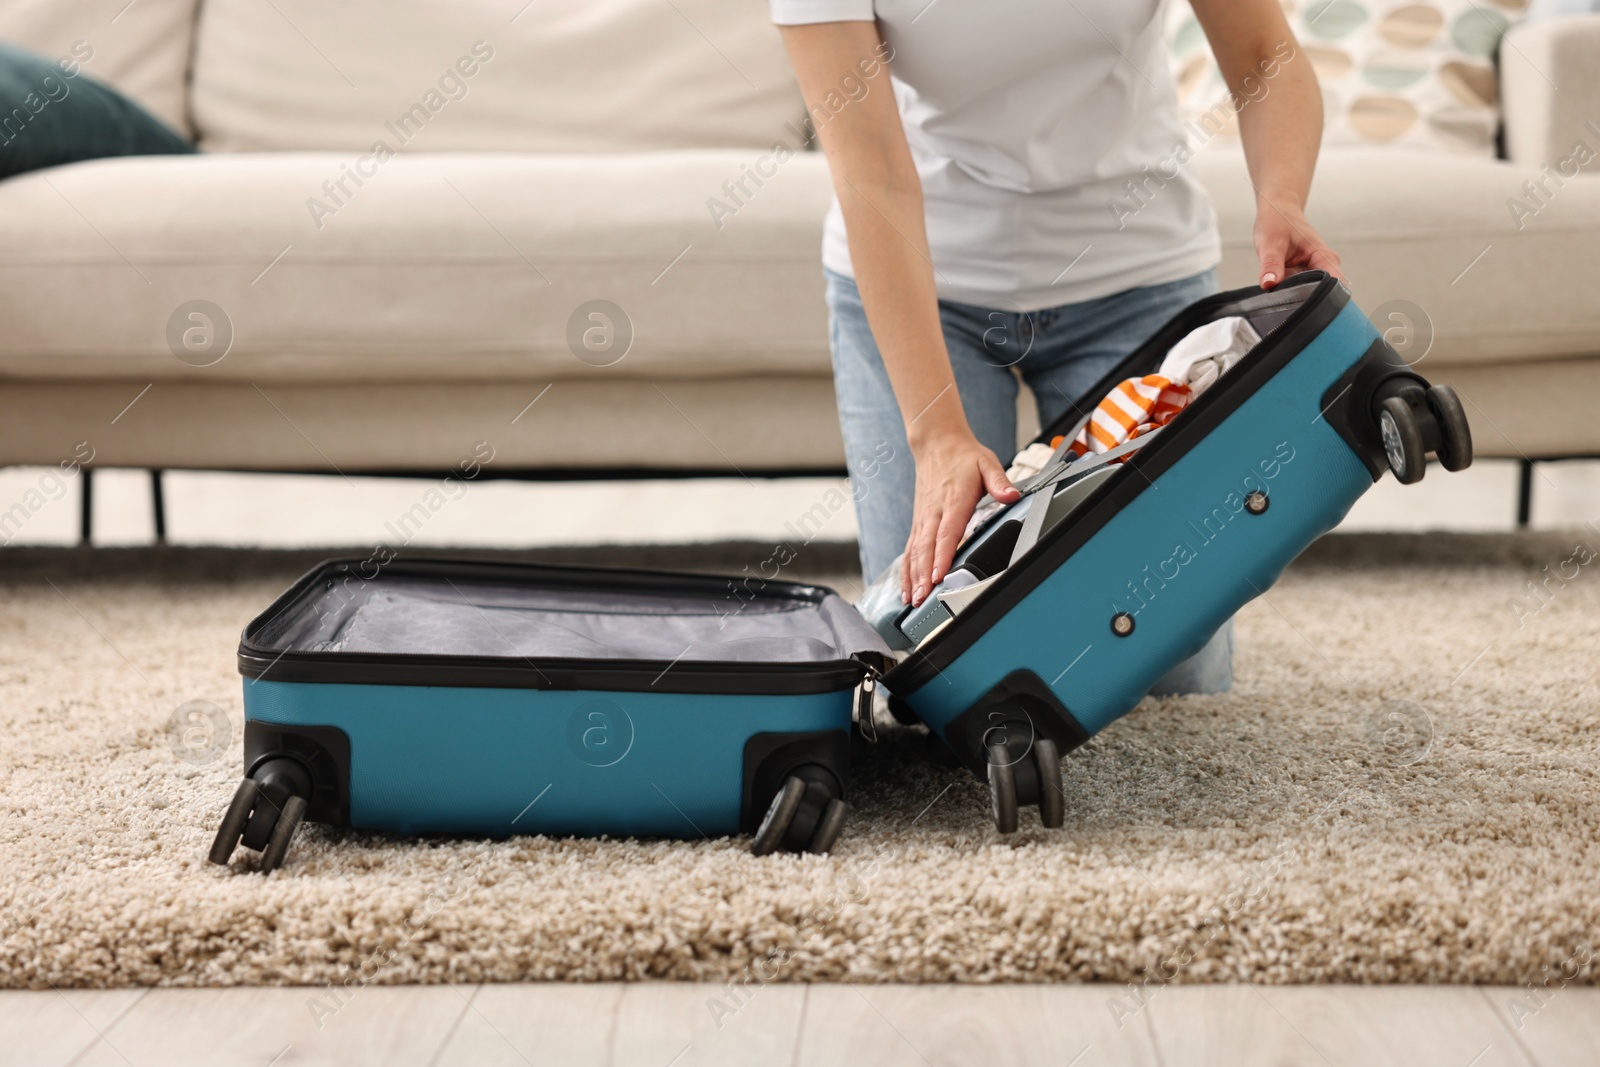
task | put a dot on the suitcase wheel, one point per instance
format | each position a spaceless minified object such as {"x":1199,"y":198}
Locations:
{"x":1414,"y":421}
{"x":1455,"y":446}
{"x":1402,"y":440}
{"x":1033,"y":779}
{"x":803,"y":817}
{"x":266,"y":810}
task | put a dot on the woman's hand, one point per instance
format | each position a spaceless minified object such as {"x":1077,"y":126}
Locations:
{"x":953,"y":473}
{"x":1287,"y":244}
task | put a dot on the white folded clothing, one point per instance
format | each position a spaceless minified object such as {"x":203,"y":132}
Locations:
{"x":1030,"y":461}
{"x":1208,"y":352}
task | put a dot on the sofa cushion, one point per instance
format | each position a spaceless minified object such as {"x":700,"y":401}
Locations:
{"x":141,"y":49}
{"x":439,"y":267}
{"x":1453,"y":244}
{"x":483,"y":267}
{"x":470,"y":75}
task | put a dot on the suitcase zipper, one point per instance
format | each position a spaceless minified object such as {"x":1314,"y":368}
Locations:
{"x":876,"y":663}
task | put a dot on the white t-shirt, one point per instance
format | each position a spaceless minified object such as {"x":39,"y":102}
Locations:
{"x":1027,"y":119}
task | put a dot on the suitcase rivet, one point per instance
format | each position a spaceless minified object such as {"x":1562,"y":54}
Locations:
{"x":1256,"y":502}
{"x":1122,"y":624}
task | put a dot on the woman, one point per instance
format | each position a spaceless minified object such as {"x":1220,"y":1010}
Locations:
{"x":1020,"y":200}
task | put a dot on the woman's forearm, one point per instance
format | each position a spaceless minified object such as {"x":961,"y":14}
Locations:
{"x":1275,"y":90}
{"x":880,"y":197}
{"x":889,"y":251}
{"x":1281,"y":129}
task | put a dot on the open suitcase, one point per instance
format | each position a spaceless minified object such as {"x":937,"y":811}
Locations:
{"x":494,"y":699}
{"x":1157,"y":552}
{"x":502,"y":698}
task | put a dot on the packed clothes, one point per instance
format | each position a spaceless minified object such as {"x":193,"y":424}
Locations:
{"x":1138,"y":405}
{"x":1209,"y":351}
{"x":1135,"y":407}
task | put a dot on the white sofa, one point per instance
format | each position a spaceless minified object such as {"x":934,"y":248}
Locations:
{"x":393,"y":324}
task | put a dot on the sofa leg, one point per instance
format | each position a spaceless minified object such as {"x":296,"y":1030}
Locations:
{"x":1524,"y":493}
{"x":158,"y":506}
{"x":86,"y":509}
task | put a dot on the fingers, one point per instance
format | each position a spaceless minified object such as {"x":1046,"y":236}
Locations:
{"x":1284,"y":248}
{"x":935,"y":536}
{"x":1314,"y":257}
{"x":1325,"y":258}
{"x":1272,"y":269}
{"x":948,"y":489}
{"x":908,"y":557}
{"x":952,"y":524}
{"x":995,"y":482}
{"x":919,"y":554}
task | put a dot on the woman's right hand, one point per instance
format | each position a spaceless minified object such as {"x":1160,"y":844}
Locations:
{"x":954,"y":471}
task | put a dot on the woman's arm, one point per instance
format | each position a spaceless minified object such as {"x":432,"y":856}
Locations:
{"x":1280,"y":123}
{"x":881,"y":198}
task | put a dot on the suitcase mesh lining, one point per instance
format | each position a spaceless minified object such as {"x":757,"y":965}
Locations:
{"x":427,"y":616}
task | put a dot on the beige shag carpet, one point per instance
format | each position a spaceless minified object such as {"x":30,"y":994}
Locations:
{"x":1401,"y":788}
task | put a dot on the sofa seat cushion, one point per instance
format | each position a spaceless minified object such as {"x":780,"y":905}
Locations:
{"x":478,"y":267}
{"x":1498,"y":275}
{"x":476,"y":75}
{"x":439,"y":267}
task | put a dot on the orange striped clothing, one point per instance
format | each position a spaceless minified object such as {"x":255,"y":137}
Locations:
{"x":1133,"y":408}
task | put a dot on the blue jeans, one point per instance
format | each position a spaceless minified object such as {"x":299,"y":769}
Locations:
{"x":49,"y":117}
{"x":1060,"y":352}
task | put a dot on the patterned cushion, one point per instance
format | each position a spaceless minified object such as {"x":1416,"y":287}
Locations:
{"x":1413,"y":74}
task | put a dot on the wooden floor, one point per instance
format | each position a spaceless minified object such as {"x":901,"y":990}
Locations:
{"x":680,"y":1025}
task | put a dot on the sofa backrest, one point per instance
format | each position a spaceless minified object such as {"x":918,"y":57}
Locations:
{"x":141,"y":49}
{"x":490,"y":75}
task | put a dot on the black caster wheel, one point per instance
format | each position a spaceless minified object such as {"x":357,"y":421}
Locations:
{"x":1455,"y":436}
{"x":233,"y":822}
{"x":803,"y":817}
{"x":266,"y":810}
{"x":828,"y":827}
{"x":272,"y":857}
{"x":1402,"y":440}
{"x":1052,"y":799}
{"x":1034,"y":779}
{"x":1003,"y":789}
{"x":780,"y":813}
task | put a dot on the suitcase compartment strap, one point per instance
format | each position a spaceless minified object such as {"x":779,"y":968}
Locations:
{"x":1058,"y":476}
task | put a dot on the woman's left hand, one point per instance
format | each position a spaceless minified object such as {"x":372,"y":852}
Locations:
{"x":1287,"y":244}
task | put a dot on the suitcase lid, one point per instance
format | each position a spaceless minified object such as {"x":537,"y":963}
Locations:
{"x":1288,"y":318}
{"x":437,"y":622}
